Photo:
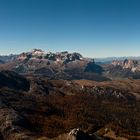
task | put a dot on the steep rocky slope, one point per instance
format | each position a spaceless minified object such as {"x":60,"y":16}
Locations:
{"x":133,"y":65}
{"x":122,"y":69}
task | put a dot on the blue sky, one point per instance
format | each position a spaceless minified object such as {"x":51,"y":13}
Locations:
{"x":95,"y":28}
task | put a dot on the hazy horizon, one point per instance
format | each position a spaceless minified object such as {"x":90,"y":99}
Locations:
{"x":94,"y":28}
{"x":105,"y":57}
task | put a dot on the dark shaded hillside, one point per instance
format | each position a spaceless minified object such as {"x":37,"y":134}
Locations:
{"x":13,"y":80}
{"x":92,"y":67}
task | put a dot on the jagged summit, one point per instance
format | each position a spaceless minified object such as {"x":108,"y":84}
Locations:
{"x":65,"y":65}
{"x":133,"y":65}
{"x":58,"y":56}
{"x":37,"y":52}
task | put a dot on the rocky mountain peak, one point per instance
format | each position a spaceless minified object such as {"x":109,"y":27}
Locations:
{"x":37,"y":52}
{"x":59,"y":56}
{"x":133,"y":65}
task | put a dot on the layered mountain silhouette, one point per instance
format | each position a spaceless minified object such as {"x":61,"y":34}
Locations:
{"x":69,"y":66}
{"x":60,"y":65}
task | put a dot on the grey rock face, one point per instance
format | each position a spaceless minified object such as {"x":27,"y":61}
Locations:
{"x":133,"y":65}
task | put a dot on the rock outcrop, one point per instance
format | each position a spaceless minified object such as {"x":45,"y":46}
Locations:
{"x":133,"y":65}
{"x":75,"y":134}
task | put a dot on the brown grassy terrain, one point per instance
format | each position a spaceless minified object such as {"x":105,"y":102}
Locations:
{"x":54,"y":107}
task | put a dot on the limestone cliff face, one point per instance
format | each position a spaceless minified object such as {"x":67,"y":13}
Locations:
{"x":42,"y":55}
{"x":133,"y":65}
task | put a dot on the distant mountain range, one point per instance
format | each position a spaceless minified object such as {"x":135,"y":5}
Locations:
{"x":7,"y":58}
{"x":60,"y":65}
{"x":69,"y":66}
{"x":105,"y":60}
{"x":109,"y":60}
